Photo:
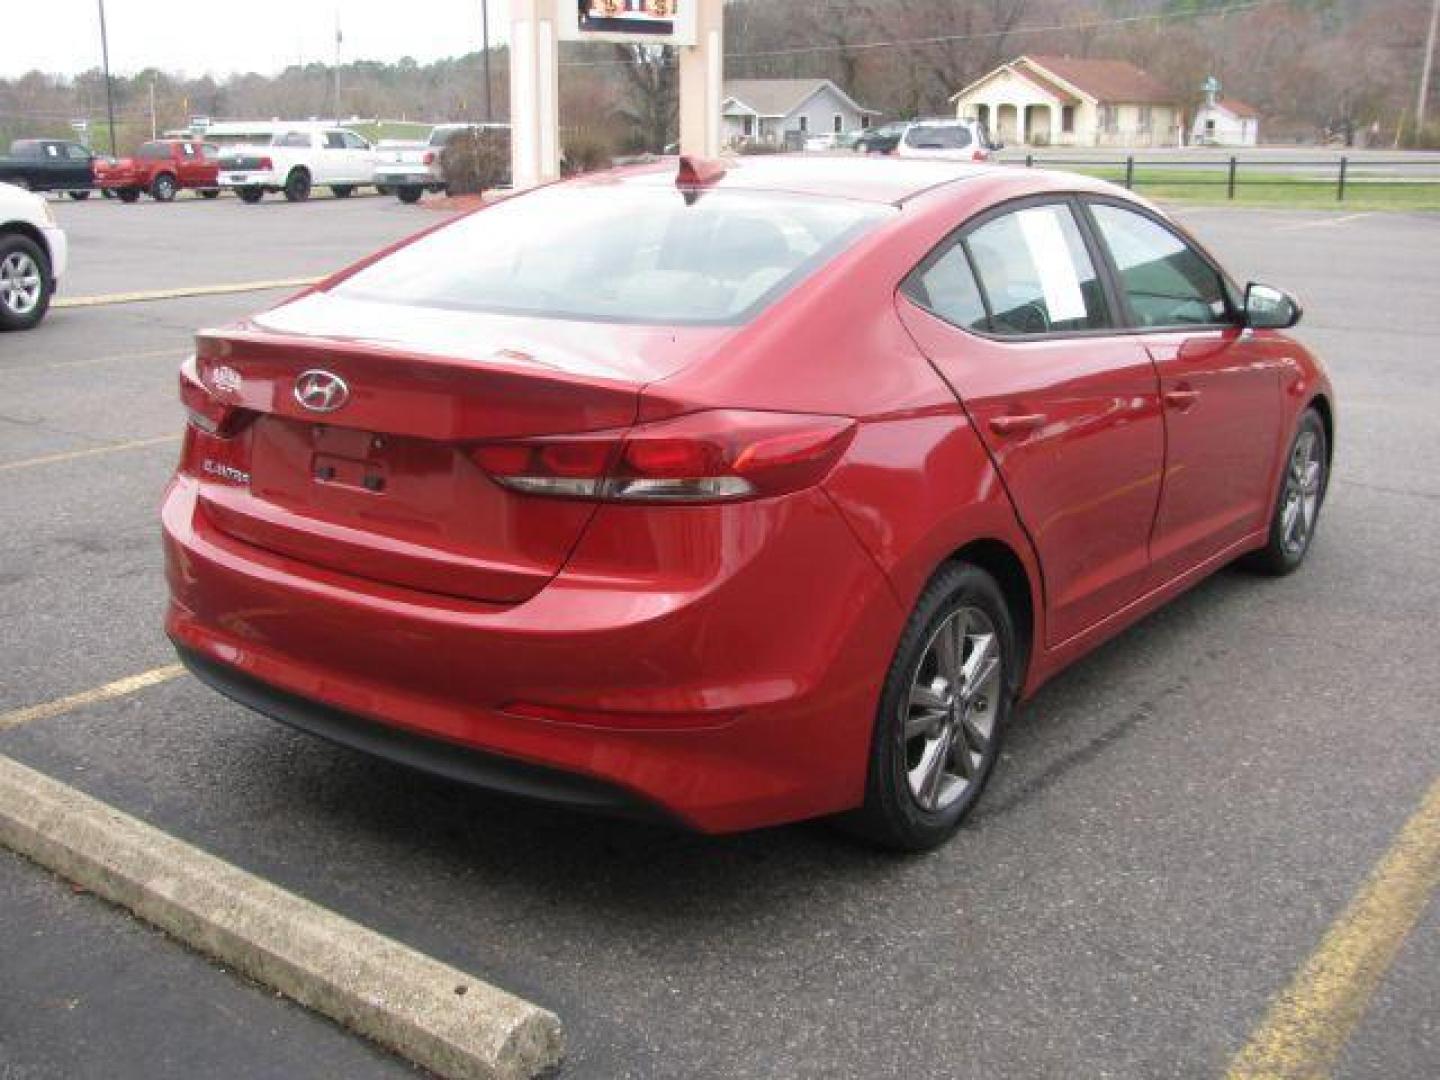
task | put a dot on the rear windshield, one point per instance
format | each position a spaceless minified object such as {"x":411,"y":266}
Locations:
{"x":620,"y":254}
{"x":442,"y":136}
{"x":939,"y":137}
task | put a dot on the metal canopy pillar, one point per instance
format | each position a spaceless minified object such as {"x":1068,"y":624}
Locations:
{"x":534,"y":93}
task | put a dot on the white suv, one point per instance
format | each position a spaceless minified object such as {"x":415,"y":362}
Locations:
{"x":297,"y":161}
{"x":948,"y":140}
{"x":32,"y":257}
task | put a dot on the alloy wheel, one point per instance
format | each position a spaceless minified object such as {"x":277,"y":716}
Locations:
{"x":21,"y":284}
{"x":950,"y":713}
{"x":1303,"y":484}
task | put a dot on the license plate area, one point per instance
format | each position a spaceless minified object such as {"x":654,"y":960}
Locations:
{"x":356,"y":460}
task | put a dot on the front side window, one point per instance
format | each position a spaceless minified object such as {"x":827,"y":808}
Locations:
{"x":335,"y":140}
{"x":1167,"y":282}
{"x":77,"y":153}
{"x":1036,"y":273}
{"x":353,"y":141}
{"x":629,"y":254}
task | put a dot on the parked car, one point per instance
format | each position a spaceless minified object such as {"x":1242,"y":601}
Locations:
{"x":297,"y":161}
{"x":411,"y":169}
{"x":948,"y":140}
{"x":49,"y":165}
{"x":589,"y":495}
{"x":162,"y":168}
{"x":32,"y":257}
{"x":882,"y":139}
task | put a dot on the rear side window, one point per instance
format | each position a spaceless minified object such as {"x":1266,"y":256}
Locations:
{"x":947,"y":287}
{"x":296,"y":139}
{"x":1167,"y":282}
{"x":938,"y":137}
{"x":618,"y":253}
{"x":154,"y":151}
{"x":1036,"y":273}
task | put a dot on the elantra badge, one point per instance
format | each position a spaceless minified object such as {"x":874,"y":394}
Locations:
{"x":321,"y":391}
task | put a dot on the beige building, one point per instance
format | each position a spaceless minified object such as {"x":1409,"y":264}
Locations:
{"x":1061,"y":101}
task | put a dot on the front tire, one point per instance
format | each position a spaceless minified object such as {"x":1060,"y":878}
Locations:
{"x":251,"y":195}
{"x":210,"y":193}
{"x":128,"y":195}
{"x":162,"y":188}
{"x":342,"y":191}
{"x":297,"y":186}
{"x":1297,"y":506}
{"x":78,"y":196}
{"x":24,"y":283}
{"x":943,"y":710}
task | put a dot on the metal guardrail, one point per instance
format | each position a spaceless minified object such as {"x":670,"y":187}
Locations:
{"x":1341,"y":174}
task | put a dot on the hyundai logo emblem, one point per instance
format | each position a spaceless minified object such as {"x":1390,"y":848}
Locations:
{"x":321,"y":391}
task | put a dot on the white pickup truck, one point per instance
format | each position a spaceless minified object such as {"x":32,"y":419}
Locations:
{"x":412,"y":168}
{"x":297,"y":161}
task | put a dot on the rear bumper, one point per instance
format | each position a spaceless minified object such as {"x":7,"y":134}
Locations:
{"x":238,"y":179}
{"x":739,"y":692}
{"x":400,"y":176}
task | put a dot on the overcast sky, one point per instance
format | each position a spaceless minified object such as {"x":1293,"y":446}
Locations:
{"x":224,"y":36}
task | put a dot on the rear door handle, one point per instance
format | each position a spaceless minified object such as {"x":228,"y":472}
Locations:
{"x":1181,"y":399}
{"x":1014,"y":425}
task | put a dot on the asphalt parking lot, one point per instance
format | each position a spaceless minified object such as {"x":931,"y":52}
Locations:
{"x":1174,"y":826}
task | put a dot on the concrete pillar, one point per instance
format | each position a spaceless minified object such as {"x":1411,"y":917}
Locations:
{"x":534,"y":93}
{"x":702,"y":81}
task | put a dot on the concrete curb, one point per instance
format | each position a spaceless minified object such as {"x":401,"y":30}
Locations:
{"x":431,"y":1013}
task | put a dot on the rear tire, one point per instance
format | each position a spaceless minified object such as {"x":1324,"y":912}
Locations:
{"x":25,"y":283}
{"x":342,"y":191}
{"x":78,"y":196}
{"x":210,"y":193}
{"x":297,"y":186}
{"x":162,"y":188}
{"x":250,"y":195}
{"x":128,"y":195}
{"x":409,"y":195}
{"x":1297,"y":506}
{"x":943,"y":711}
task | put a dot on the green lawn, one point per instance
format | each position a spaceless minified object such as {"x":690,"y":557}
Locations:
{"x":1310,"y":192}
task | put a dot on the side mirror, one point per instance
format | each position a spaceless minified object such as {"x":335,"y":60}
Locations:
{"x":1269,"y":308}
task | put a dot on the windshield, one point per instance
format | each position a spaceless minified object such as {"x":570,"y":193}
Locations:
{"x":620,"y":254}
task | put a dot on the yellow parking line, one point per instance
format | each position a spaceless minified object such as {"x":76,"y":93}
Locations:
{"x":94,"y":451}
{"x":119,"y":688}
{"x":175,"y":294}
{"x":1308,"y":1025}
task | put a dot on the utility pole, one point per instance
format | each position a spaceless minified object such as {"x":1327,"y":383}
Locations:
{"x":485,"y":43}
{"x":338,"y":39}
{"x":105,"y":58}
{"x":1425,"y":66}
{"x":152,"y":109}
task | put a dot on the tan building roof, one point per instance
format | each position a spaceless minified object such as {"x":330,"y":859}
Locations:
{"x":1236,"y":107}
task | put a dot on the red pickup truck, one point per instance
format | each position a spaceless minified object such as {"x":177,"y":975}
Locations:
{"x":162,"y":168}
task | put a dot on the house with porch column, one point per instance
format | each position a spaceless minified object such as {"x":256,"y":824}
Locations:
{"x":1064,"y":101}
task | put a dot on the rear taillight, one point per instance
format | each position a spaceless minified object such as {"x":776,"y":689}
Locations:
{"x":718,"y":456}
{"x":204,"y":410}
{"x":429,"y":158}
{"x":266,"y":164}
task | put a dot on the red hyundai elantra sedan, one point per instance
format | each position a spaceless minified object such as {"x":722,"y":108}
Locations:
{"x":752,"y":494}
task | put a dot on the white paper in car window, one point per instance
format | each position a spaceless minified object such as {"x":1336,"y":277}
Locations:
{"x":1051,"y":255}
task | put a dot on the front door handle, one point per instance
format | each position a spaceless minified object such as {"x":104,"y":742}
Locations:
{"x":1181,"y":399}
{"x":1015,"y":425}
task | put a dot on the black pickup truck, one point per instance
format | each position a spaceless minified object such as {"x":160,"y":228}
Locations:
{"x":49,"y":165}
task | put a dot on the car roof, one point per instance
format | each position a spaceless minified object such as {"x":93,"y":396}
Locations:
{"x":860,"y":179}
